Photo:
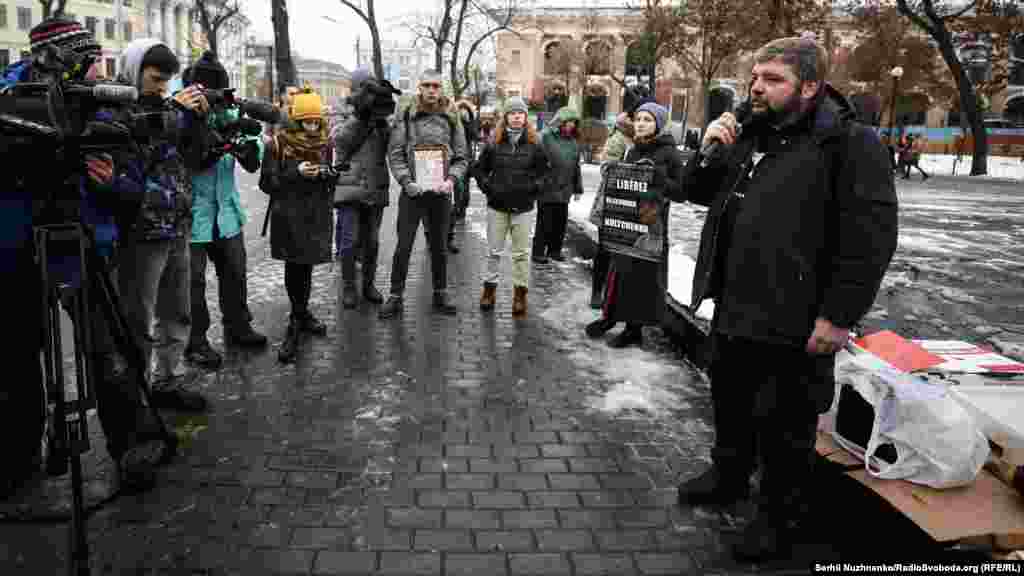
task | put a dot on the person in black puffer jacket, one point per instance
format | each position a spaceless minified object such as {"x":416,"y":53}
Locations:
{"x":652,"y":145}
{"x":510,"y":173}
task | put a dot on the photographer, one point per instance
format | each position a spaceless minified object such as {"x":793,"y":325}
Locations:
{"x":362,"y":192}
{"x":134,"y":438}
{"x":153,"y":260}
{"x":217,"y":221}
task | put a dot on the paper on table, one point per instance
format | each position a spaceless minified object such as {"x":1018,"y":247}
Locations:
{"x":901,"y":353}
{"x":968,"y":358}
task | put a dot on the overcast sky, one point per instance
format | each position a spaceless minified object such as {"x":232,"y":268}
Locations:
{"x":314,"y":37}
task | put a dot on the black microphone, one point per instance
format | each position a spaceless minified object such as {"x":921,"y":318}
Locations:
{"x":113,"y":93}
{"x":716,"y":149}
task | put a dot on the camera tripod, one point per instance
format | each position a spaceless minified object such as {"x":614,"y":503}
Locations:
{"x":68,"y":431}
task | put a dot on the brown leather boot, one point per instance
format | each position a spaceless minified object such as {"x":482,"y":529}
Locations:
{"x":488,"y":297}
{"x":519,"y":302}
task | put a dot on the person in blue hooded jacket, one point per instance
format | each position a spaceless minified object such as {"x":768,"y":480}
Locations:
{"x":218,"y":218}
{"x":134,"y":437}
{"x":153,"y":260}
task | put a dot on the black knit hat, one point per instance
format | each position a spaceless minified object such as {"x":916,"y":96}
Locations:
{"x":65,"y":34}
{"x":207,"y":71}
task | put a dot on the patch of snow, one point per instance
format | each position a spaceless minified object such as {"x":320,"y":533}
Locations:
{"x":1001,"y":167}
{"x":681,"y":269}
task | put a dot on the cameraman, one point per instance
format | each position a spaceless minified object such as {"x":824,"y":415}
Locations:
{"x":153,"y":275}
{"x":134,"y":438}
{"x":217,"y":221}
{"x":362,"y":192}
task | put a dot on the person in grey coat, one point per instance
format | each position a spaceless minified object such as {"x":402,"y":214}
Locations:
{"x":360,"y":196}
{"x":428,"y":121}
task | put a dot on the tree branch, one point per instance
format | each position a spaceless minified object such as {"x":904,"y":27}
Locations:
{"x":914,"y":17}
{"x":970,"y":5}
{"x":359,"y":12}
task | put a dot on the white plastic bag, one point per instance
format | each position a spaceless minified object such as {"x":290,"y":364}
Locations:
{"x":937,"y":442}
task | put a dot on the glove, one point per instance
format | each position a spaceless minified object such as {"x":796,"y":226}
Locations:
{"x":608,"y":166}
{"x":413,"y":189}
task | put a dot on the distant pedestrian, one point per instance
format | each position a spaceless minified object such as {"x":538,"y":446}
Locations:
{"x":510,"y":173}
{"x":301,"y":223}
{"x":561,"y":141}
{"x":913,"y":160}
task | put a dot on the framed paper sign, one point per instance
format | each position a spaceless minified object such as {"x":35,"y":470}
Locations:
{"x":430,"y":166}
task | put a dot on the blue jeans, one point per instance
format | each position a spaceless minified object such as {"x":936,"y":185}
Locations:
{"x":357,"y":227}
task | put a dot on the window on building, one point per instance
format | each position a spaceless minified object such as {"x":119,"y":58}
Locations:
{"x":24,"y":18}
{"x":127,"y":31}
{"x":404,"y":84}
{"x":516,"y":59}
{"x":90,"y":24}
{"x":5,"y":58}
{"x":3,"y":15}
{"x":110,"y":28}
{"x":111,"y":68}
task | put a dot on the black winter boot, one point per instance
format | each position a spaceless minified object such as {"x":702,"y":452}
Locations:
{"x":442,"y":305}
{"x":290,"y":346}
{"x":713,"y":489}
{"x":349,"y":297}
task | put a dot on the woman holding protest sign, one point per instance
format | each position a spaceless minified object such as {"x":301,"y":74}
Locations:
{"x":630,"y":279}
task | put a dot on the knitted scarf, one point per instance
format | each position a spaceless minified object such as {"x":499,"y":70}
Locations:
{"x":297,"y":144}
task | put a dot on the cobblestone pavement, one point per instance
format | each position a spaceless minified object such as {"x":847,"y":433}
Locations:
{"x":417,"y":445}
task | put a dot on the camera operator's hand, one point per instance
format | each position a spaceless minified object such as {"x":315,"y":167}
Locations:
{"x":722,"y":129}
{"x":100,"y":168}
{"x":309,"y":170}
{"x":193,"y":99}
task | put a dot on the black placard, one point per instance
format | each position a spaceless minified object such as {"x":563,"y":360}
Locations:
{"x":633,"y":215}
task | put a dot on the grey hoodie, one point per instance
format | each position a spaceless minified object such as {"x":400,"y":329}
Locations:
{"x":130,"y":63}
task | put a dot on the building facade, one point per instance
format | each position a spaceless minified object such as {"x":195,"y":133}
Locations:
{"x":231,"y":44}
{"x":331,"y":81}
{"x":403,"y":65}
{"x":115,"y":23}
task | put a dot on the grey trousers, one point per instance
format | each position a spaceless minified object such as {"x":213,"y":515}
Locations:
{"x":153,"y":280}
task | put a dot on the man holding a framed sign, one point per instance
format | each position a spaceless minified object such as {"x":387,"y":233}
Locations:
{"x":428,"y":154}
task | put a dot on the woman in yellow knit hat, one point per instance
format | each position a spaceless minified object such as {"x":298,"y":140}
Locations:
{"x":302,"y":186}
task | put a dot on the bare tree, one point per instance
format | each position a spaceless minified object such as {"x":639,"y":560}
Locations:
{"x":286,"y":75}
{"x":369,"y":16}
{"x":49,"y":10}
{"x":212,"y":15}
{"x":437,"y":28}
{"x":484,"y":21}
{"x":988,"y":23}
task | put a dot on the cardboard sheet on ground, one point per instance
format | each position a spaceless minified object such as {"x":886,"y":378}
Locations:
{"x":967,"y":358}
{"x":985,"y":508}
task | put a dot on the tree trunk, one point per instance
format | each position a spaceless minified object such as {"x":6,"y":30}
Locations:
{"x":968,"y":106}
{"x":458,"y":87}
{"x":705,"y":87}
{"x":211,"y":39}
{"x":282,"y":46}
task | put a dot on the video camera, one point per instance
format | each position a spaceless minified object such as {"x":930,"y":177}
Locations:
{"x":232,"y":138}
{"x":375,"y":100}
{"x":55,"y":123}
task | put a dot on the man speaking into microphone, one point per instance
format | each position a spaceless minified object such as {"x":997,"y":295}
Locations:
{"x":801,"y":229}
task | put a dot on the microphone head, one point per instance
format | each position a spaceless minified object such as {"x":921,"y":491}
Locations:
{"x":115,"y":93}
{"x":262,"y":112}
{"x":744,"y":112}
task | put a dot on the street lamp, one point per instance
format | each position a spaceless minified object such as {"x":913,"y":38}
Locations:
{"x":896,"y":73}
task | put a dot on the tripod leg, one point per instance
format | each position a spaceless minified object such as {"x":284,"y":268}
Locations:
{"x":78,"y":435}
{"x":111,"y":307}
